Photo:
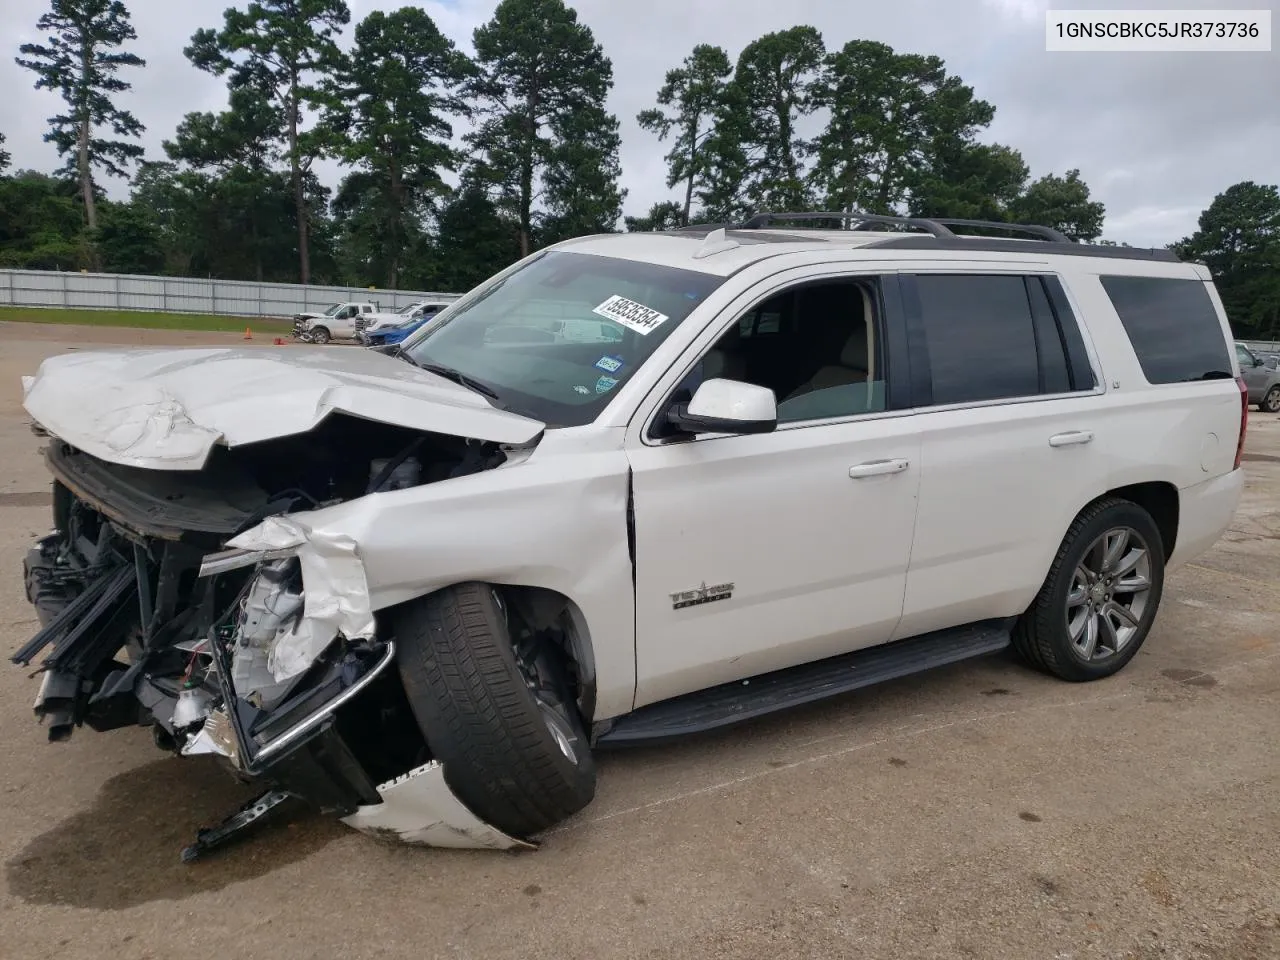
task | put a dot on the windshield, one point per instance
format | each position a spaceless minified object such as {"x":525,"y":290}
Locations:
{"x":405,"y":311}
{"x":333,"y":310}
{"x":558,"y":336}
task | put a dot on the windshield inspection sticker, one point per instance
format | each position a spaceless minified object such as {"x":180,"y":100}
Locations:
{"x":605,"y":384}
{"x":632,"y":315}
{"x":609,"y":364}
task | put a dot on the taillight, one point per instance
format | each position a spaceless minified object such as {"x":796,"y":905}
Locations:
{"x":1244,"y":420}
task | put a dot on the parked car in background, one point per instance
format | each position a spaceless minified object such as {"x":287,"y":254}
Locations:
{"x":384,"y":320}
{"x":1261,"y":378}
{"x":336,"y":323}
{"x":386,"y":336}
{"x":382,"y":332}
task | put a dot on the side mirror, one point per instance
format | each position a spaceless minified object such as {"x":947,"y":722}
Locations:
{"x":727,"y":406}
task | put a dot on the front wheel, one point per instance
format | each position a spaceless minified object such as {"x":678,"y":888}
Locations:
{"x":1098,"y":603}
{"x":320,"y":335}
{"x":496,"y":710}
{"x":1271,"y":402}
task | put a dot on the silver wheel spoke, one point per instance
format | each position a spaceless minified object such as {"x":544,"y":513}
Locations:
{"x":1115,"y":544}
{"x":1122,"y":613}
{"x":1088,"y":642}
{"x":1134,"y":584}
{"x":1110,"y":637}
{"x":1129,"y":562}
{"x":1078,"y":594}
{"x":1075,"y":628}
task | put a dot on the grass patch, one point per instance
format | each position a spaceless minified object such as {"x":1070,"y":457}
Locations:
{"x":143,"y":319}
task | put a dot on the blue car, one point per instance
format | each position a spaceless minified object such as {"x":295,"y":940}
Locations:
{"x":389,"y":335}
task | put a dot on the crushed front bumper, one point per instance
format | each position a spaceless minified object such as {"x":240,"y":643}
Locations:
{"x":128,"y":593}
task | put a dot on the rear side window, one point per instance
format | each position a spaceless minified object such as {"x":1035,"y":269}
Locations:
{"x":1173,"y":327}
{"x":995,"y":337}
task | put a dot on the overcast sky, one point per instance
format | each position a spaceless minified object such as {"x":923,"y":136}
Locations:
{"x":1155,"y":135}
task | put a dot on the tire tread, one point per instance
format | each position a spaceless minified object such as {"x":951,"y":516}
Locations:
{"x":479,"y":717}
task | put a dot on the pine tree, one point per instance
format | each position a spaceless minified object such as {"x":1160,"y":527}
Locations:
{"x":389,"y":112}
{"x":80,"y":60}
{"x":544,"y":132}
{"x":284,"y":47}
{"x":695,"y":92}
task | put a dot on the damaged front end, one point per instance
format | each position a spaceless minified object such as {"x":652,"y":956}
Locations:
{"x":269,"y":658}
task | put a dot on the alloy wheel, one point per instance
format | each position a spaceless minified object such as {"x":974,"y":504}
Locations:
{"x":1109,"y":594}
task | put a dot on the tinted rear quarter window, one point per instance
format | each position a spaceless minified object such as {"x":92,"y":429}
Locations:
{"x":1173,"y":327}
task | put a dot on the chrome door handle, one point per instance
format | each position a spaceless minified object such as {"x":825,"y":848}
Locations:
{"x":876,"y":468}
{"x":1070,"y":438}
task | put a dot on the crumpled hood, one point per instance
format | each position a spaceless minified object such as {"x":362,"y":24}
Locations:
{"x":166,"y":408}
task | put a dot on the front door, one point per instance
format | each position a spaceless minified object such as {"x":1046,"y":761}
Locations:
{"x":760,"y":552}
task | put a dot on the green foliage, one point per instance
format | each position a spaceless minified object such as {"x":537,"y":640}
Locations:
{"x":969,"y":181}
{"x":1060,"y":202}
{"x":80,"y":61}
{"x":128,"y":240}
{"x":1239,"y":240}
{"x":543,"y":131}
{"x":775,"y":85}
{"x":281,"y":50}
{"x":666,"y":215}
{"x":474,"y":241}
{"x":900,"y":125}
{"x":696,"y":93}
{"x":389,"y":110}
{"x":40,"y":223}
{"x":144,"y":319}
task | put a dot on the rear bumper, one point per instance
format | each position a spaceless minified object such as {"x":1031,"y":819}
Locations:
{"x":1205,"y":512}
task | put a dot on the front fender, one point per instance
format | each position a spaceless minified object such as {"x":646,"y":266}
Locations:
{"x":556,"y":520}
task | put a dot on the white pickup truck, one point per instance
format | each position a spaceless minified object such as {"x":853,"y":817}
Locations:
{"x":339,"y":321}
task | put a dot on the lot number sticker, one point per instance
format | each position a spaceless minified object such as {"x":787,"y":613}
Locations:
{"x":632,"y":315}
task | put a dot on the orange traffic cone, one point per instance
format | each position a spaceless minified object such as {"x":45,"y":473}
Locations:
{"x":248,"y":334}
{"x":279,"y":341}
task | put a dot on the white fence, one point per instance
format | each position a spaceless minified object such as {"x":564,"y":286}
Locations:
{"x":110,"y":291}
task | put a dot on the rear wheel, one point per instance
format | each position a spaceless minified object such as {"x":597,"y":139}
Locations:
{"x":499,"y":715}
{"x":320,"y":335}
{"x":1098,"y":603}
{"x":1271,"y":402}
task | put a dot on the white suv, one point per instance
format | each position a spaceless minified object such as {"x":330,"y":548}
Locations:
{"x":418,"y":588}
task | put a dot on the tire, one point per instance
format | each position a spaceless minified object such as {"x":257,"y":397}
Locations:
{"x":1069,"y":599}
{"x":1271,"y":402}
{"x":320,"y":335}
{"x":473,"y":696}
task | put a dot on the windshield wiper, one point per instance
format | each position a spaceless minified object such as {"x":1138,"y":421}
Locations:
{"x":455,"y":375}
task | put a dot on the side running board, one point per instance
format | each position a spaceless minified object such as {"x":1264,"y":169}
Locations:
{"x":742,"y":700}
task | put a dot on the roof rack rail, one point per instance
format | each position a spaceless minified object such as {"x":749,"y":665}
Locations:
{"x":1047,"y":233}
{"x":938,"y":226}
{"x":764,"y":219}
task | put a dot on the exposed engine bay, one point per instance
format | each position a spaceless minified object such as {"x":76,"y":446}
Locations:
{"x":147,"y":619}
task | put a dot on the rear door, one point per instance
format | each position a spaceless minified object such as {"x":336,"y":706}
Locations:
{"x":1009,"y":415}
